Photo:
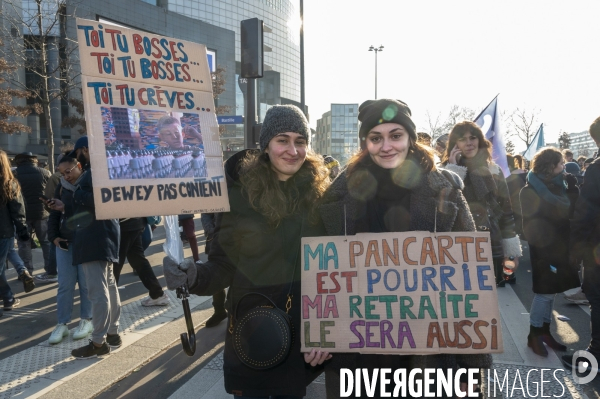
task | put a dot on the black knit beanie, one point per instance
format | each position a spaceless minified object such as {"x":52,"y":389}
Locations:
{"x":282,"y":119}
{"x":376,"y":112}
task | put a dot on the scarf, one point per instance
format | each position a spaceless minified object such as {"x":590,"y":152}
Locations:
{"x":542,"y":188}
{"x":389,"y":207}
{"x":66,"y":185}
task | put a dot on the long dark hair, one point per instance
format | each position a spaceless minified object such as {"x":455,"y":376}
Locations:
{"x":262,"y":186}
{"x":9,"y":185}
{"x":461,"y":129}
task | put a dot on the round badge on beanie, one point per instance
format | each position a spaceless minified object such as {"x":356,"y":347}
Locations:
{"x":376,"y":112}
{"x":282,"y":119}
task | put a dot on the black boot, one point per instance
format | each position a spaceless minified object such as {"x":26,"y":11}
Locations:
{"x":216,"y":318}
{"x":535,"y":342}
{"x":549,"y":339}
{"x":28,"y":283}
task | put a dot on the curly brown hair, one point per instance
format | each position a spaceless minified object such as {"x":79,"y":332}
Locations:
{"x":262,"y":186}
{"x":9,"y":185}
{"x":461,"y":129}
{"x":545,"y":160}
{"x":422,"y":153}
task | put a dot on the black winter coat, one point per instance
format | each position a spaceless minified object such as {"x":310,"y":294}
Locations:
{"x":585,"y":227}
{"x":249,"y":256}
{"x":441,"y":189}
{"x":12,"y":216}
{"x":62,"y":224}
{"x":548,"y":237}
{"x":94,"y":240}
{"x":515,"y":182}
{"x":33,"y":181}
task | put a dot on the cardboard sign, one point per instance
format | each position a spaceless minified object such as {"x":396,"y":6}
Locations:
{"x":153,"y":134}
{"x":400,"y":293}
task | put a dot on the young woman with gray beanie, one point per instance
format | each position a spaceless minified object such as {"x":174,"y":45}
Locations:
{"x":256,"y":248}
{"x":392,"y":185}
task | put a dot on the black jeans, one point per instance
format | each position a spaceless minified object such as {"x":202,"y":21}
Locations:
{"x":131,"y":249}
{"x":591,"y":287}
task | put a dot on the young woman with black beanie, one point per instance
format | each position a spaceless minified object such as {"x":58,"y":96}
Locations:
{"x":469,"y":155}
{"x":392,"y":185}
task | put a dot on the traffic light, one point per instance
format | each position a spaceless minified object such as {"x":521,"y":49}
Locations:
{"x":252,"y":48}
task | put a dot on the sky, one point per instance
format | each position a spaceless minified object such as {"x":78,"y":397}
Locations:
{"x":538,"y":55}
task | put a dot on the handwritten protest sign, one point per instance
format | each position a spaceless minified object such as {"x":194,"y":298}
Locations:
{"x":153,"y":134}
{"x":400,"y":293}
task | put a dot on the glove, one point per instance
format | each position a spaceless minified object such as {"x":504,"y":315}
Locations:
{"x":25,"y":236}
{"x":571,"y":181}
{"x":178,"y":275}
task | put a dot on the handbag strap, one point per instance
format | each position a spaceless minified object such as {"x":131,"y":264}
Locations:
{"x":288,"y":304}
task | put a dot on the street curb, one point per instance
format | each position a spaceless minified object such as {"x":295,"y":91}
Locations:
{"x":123,"y":362}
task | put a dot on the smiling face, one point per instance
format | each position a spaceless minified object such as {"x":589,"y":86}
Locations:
{"x":171,"y":134}
{"x":468,"y":145}
{"x":287,"y":153}
{"x":388,"y":145}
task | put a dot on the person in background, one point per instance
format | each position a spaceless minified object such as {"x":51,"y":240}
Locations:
{"x":257,"y":245}
{"x":131,"y":248}
{"x":61,"y":232}
{"x":584,"y":248}
{"x":581,"y":162}
{"x":515,"y":182}
{"x":568,"y":155}
{"x":440,"y":144}
{"x":49,"y":193}
{"x":209,"y":224}
{"x":96,"y":247}
{"x":547,"y":204}
{"x":333,"y":165}
{"x":469,"y":154}
{"x":33,"y":180}
{"x":393,"y":185}
{"x":12,"y":219}
{"x":424,"y":139}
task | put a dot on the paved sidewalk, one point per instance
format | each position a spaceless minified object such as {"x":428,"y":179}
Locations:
{"x":49,"y":371}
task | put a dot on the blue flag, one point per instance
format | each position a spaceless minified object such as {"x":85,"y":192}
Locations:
{"x":489,"y":122}
{"x":536,"y":144}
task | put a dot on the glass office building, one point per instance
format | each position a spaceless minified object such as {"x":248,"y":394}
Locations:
{"x":281,"y":16}
{"x":337,"y":132}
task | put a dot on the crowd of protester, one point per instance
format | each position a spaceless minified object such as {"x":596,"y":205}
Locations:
{"x":283,"y":191}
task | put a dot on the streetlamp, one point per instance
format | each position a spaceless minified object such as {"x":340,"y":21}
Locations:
{"x":376,"y":50}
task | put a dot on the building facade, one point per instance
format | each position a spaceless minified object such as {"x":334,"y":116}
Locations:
{"x":337,"y":132}
{"x":214,"y":23}
{"x":582,"y":144}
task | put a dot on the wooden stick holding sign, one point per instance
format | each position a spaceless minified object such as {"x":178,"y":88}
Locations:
{"x":400,"y":293}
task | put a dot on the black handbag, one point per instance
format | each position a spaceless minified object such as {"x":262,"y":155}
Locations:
{"x":263,"y":337}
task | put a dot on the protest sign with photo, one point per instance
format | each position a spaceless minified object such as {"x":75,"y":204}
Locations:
{"x":153,"y":134}
{"x":400,"y":293}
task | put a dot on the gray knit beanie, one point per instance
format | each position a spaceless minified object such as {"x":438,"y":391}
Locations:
{"x":282,"y":119}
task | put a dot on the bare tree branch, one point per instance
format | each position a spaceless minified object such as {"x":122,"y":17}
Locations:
{"x":36,"y":42}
